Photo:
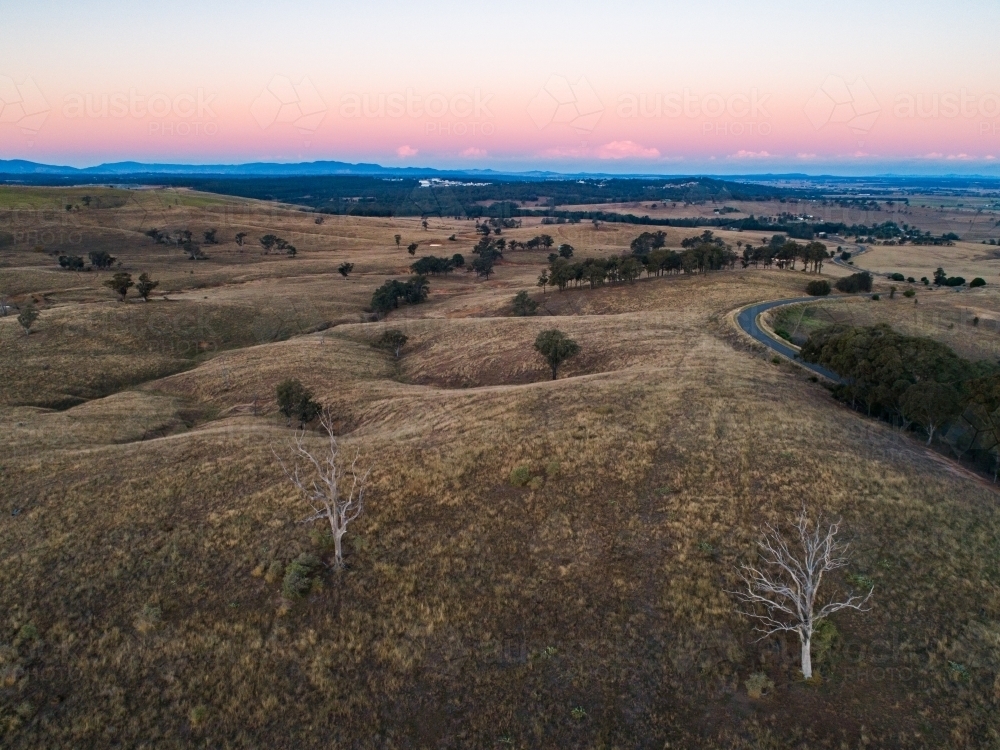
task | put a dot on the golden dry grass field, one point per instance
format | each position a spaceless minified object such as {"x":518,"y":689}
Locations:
{"x":145,"y":519}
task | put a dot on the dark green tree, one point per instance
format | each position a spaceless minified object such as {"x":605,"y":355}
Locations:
{"x":523,"y":305}
{"x":101,"y":259}
{"x":295,"y":400}
{"x":556,"y":348}
{"x":393,"y":340}
{"x":145,"y":286}
{"x":483,"y":266}
{"x":120,"y":283}
{"x":344,"y":269}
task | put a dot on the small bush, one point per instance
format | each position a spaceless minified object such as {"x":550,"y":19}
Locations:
{"x":299,"y":576}
{"x":909,"y":293}
{"x":758,"y":685}
{"x":520,"y":476}
{"x":825,"y":637}
{"x":274,"y":572}
{"x":978,"y":281}
{"x":876,"y":297}
{"x":897,"y":277}
{"x":818,"y":288}
{"x":955,"y":281}
{"x":911,"y":280}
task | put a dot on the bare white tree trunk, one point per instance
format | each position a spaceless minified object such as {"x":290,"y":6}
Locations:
{"x":334,"y":488}
{"x":781,"y":594}
{"x":807,"y":663}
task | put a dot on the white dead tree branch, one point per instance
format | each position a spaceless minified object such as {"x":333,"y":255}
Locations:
{"x":781,"y":593}
{"x":334,"y":488}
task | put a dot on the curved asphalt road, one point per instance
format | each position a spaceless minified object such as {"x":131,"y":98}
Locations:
{"x":747,"y":320}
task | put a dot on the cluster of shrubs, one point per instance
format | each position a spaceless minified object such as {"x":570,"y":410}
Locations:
{"x":433,"y":265}
{"x":388,"y":296}
{"x":99,"y":259}
{"x":855,"y":283}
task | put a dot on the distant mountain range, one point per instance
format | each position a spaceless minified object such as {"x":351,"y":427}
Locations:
{"x":21,"y":170}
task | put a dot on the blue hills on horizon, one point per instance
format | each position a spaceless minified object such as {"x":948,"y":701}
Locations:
{"x":24,"y":168}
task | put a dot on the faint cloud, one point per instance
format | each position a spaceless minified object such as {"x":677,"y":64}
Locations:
{"x":837,"y":101}
{"x":473,"y":153}
{"x":626,"y":150}
{"x":741,"y":154}
{"x":23,"y":105}
{"x":405,"y":152}
{"x":805,"y":156}
{"x":560,"y":153}
{"x":283,"y":101}
{"x":573,"y":104}
{"x":959,"y":157}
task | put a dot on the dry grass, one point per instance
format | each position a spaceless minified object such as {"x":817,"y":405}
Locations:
{"x":136,"y":608}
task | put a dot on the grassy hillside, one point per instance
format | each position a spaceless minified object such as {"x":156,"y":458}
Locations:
{"x":145,"y":530}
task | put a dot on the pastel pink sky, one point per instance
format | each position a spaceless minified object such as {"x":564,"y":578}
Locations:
{"x":637,"y":86}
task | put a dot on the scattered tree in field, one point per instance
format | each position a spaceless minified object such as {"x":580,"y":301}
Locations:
{"x":940,"y":276}
{"x":335,"y":488}
{"x":145,"y":286}
{"x":483,"y":266}
{"x":344,"y":269}
{"x":818,"y":288}
{"x":393,"y":340}
{"x":101,"y":259}
{"x":430,"y":264}
{"x":566,"y":251}
{"x":556,"y":348}
{"x":295,"y":400}
{"x":241,"y":239}
{"x":28,"y":315}
{"x":646,"y":242}
{"x":269,"y":242}
{"x":71,"y":262}
{"x":398,"y":238}
{"x":978,"y":281}
{"x":423,"y":223}
{"x":86,"y":200}
{"x":120,"y":283}
{"x":193,"y":250}
{"x":523,"y":304}
{"x":782,"y":591}
{"x":387,"y":297}
{"x":543,"y":281}
{"x":458,"y":260}
{"x":209,"y":235}
{"x":412,"y":248}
